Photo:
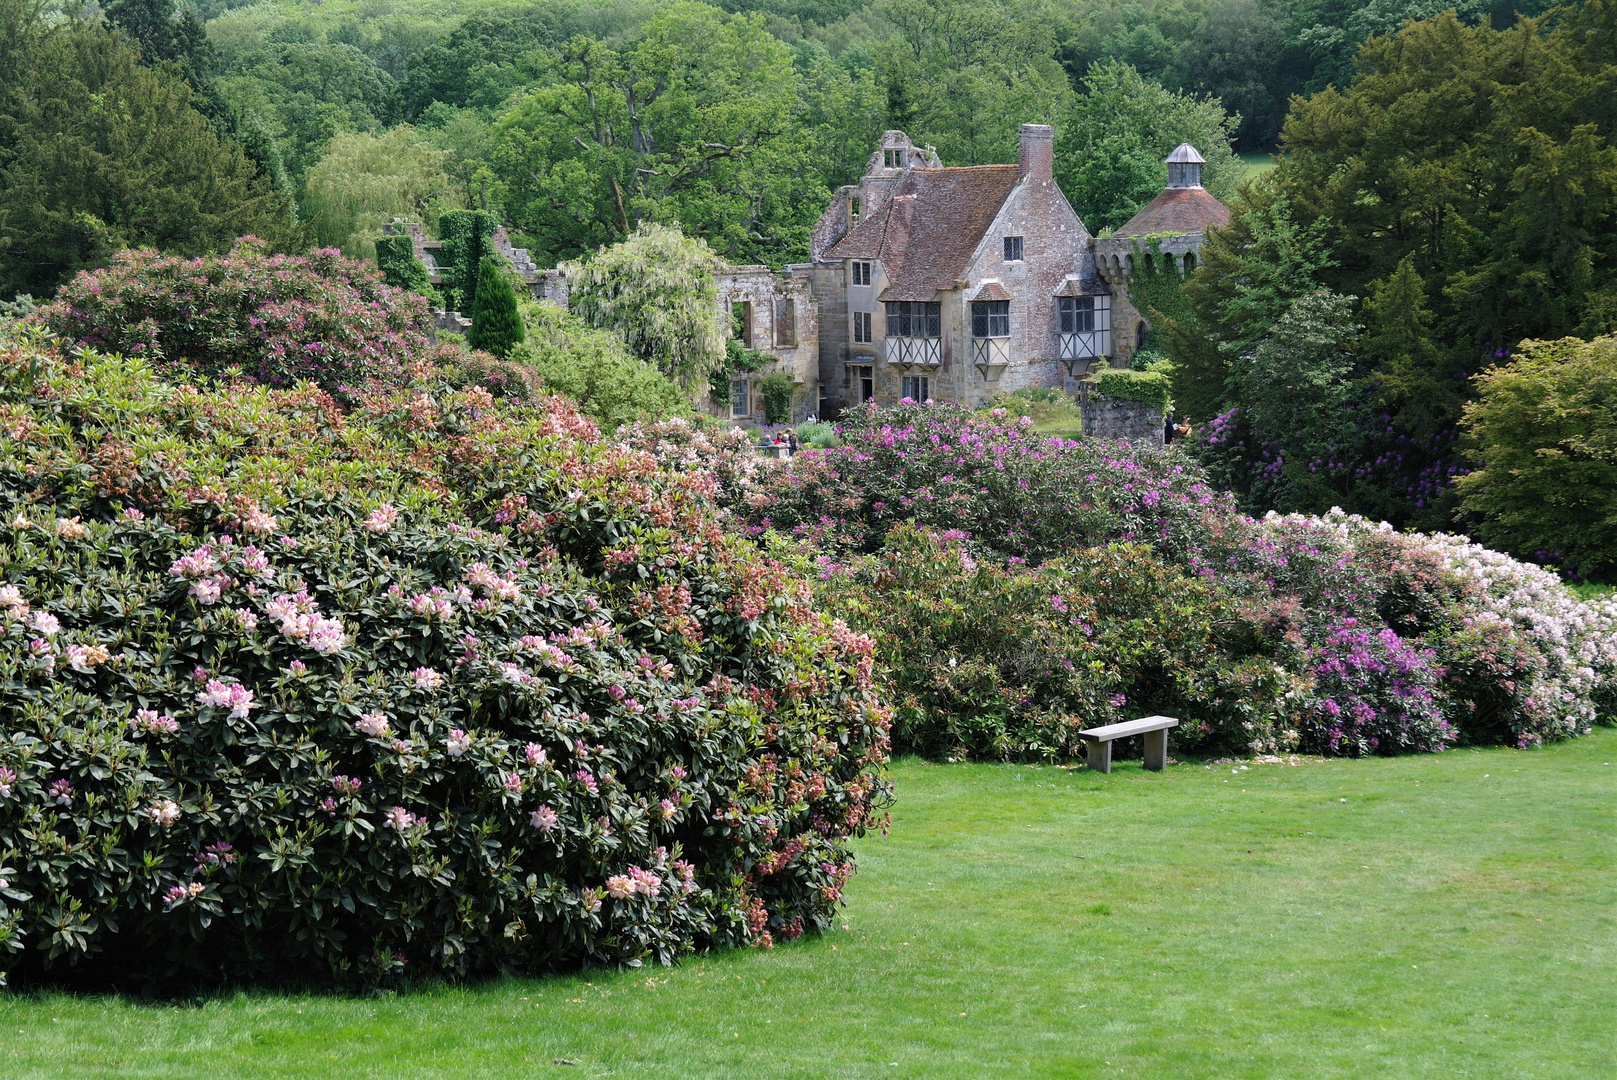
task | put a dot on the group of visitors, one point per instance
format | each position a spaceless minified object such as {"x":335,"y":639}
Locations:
{"x":1174,"y":429}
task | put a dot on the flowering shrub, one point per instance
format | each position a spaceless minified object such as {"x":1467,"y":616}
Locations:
{"x":1328,"y":633}
{"x":1374,"y":693}
{"x":985,"y":660}
{"x":439,"y":685}
{"x":275,"y":319}
{"x":1014,"y":491}
{"x":1521,"y":659}
{"x":722,"y":455}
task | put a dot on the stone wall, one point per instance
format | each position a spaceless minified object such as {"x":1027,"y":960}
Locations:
{"x":1119,"y":418}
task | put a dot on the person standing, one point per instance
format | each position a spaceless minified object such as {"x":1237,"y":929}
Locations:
{"x":1168,"y":430}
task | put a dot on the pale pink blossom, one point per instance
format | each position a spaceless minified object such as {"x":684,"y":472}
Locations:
{"x":534,"y":753}
{"x":149,"y":722}
{"x":401,"y":819}
{"x":236,"y":697}
{"x":458,"y":742}
{"x":71,"y":529}
{"x":163,"y":812}
{"x":45,"y":623}
{"x":619,"y":887}
{"x":544,"y":819}
{"x":258,"y":522}
{"x":374,"y":724}
{"x":381,"y":519}
{"x":86,"y":658}
{"x":427,"y":679}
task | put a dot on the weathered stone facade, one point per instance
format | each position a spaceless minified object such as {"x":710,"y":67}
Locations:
{"x":776,"y":315}
{"x":1015,"y":291}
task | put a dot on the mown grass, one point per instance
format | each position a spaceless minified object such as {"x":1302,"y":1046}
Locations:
{"x":1446,"y":916}
{"x":1257,"y":163}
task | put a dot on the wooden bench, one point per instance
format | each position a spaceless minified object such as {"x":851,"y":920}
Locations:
{"x":1098,"y":741}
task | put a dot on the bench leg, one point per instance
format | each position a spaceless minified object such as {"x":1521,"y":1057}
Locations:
{"x":1156,"y":749}
{"x":1099,"y":754}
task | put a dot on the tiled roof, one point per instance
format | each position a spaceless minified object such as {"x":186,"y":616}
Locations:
{"x":992,"y":290}
{"x":1177,"y":210}
{"x":1090,"y":286}
{"x":924,"y":235}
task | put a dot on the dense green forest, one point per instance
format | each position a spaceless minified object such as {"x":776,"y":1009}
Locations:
{"x":573,"y":120}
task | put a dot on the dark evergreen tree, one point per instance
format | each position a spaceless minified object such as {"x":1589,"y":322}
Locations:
{"x":98,"y":153}
{"x":496,"y":324}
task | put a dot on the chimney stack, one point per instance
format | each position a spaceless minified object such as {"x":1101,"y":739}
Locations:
{"x":1038,"y":155}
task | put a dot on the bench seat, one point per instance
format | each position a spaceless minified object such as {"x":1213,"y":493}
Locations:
{"x":1098,"y":741}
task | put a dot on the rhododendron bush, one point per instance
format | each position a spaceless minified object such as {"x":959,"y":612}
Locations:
{"x":1325,"y":634}
{"x":439,"y":684}
{"x":1016,"y":492}
{"x":276,"y":319}
{"x":982,"y":659}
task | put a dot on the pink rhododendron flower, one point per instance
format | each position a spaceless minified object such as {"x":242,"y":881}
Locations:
{"x":235,"y":697}
{"x":458,"y":742}
{"x":544,"y":818}
{"x":149,"y":722}
{"x":164,"y":812}
{"x":381,"y":519}
{"x":400,"y":819}
{"x":374,"y":724}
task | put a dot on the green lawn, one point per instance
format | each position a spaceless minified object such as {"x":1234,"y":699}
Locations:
{"x":1447,"y":916}
{"x":1257,"y":163}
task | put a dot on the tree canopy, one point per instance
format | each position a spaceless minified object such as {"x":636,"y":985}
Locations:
{"x":98,"y":153}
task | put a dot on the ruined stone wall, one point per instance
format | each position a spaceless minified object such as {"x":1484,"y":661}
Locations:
{"x":1119,"y":418}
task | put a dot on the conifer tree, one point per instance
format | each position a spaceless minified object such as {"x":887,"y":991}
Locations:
{"x":496,"y":325}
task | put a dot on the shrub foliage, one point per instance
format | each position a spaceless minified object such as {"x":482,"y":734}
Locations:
{"x":440,"y":685}
{"x":275,"y":319}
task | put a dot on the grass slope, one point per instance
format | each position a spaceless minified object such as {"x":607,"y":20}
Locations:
{"x":1447,"y":916}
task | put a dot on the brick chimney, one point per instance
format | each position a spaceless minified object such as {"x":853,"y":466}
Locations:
{"x":1038,"y":151}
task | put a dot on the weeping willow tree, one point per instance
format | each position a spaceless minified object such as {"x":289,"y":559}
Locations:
{"x":363,"y":181}
{"x":657,"y":291}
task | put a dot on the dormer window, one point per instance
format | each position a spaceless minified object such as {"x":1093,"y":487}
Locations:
{"x":861,"y":273}
{"x":893,"y":158}
{"x":1013,"y":249}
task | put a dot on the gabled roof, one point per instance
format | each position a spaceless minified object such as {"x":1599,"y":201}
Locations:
{"x":925,"y":234}
{"x":1177,"y":210}
{"x":992,"y":290}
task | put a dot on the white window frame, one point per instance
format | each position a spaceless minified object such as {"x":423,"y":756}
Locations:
{"x":743,"y":389}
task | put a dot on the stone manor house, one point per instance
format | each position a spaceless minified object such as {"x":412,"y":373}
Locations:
{"x":957,"y":284}
{"x":951,"y":284}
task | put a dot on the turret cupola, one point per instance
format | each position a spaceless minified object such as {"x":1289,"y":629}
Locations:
{"x":1184,"y":167}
